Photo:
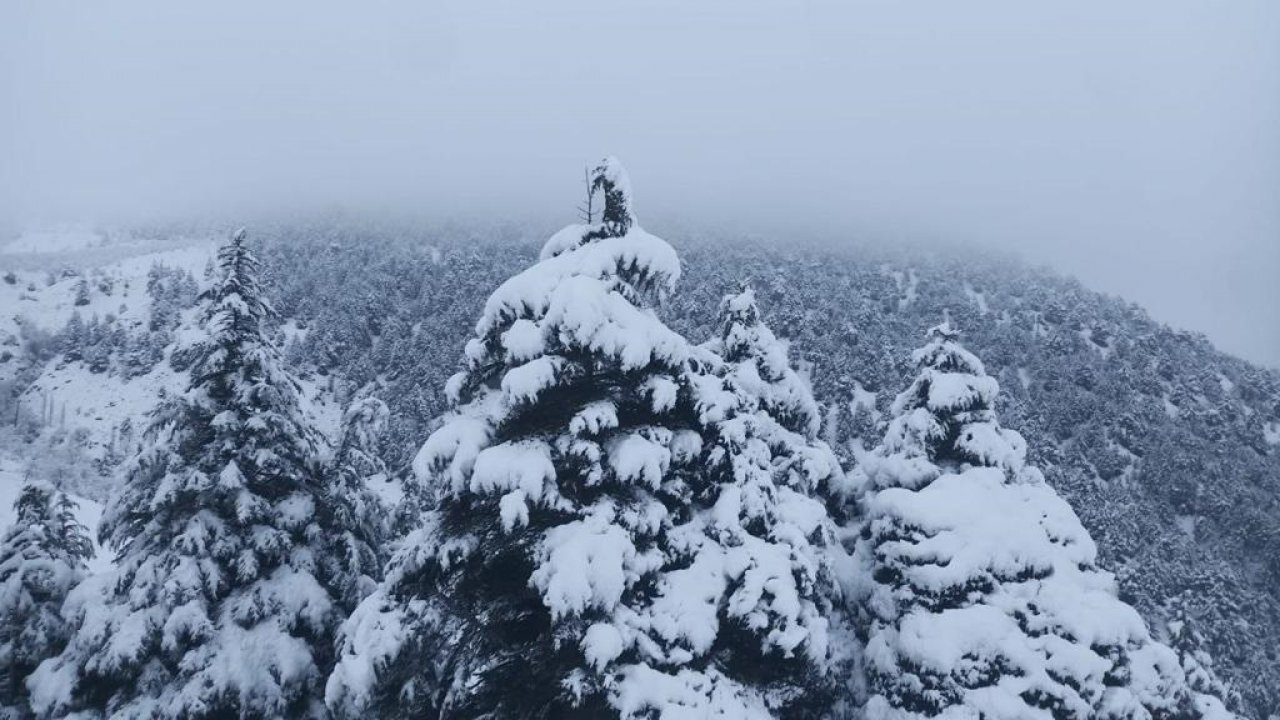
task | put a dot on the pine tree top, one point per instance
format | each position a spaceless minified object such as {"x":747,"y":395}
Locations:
{"x":589,"y":295}
{"x":946,"y":418}
{"x":760,"y":366}
{"x":610,"y":179}
{"x":235,"y":303}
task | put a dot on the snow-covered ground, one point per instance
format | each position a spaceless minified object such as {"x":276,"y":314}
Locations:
{"x":67,"y":393}
{"x":96,"y":406}
{"x":97,"y":402}
{"x":100,"y":403}
{"x":90,"y":513}
{"x":30,"y":299}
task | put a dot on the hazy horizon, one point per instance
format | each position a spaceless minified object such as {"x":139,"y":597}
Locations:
{"x":1136,"y":147}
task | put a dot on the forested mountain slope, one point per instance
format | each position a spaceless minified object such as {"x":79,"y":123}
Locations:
{"x":1167,"y":449}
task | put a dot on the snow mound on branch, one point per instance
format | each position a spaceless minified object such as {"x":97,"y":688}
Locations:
{"x":686,"y":694}
{"x":529,"y":294}
{"x":585,"y":564}
{"x":973,"y":524}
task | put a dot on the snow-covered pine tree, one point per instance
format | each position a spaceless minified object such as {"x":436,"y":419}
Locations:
{"x":364,"y":521}
{"x":589,"y":554}
{"x":769,"y":477}
{"x":82,"y":292}
{"x":985,"y":598}
{"x":42,"y":557}
{"x":231,"y":576}
{"x":1195,"y":659}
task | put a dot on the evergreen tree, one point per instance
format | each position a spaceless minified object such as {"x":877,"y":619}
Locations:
{"x":42,"y":557}
{"x":985,"y":597}
{"x":231,"y":572}
{"x":73,"y":338}
{"x":365,"y":523}
{"x":761,"y":367}
{"x":1210,"y":691}
{"x":82,"y":293}
{"x":611,"y":536}
{"x":771,"y":475}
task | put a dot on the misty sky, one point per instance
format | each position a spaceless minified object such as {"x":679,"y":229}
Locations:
{"x":1135,"y":144}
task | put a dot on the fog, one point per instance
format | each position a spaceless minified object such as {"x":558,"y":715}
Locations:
{"x":1135,"y":145}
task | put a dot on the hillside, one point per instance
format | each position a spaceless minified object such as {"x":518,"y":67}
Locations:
{"x":1167,"y":449}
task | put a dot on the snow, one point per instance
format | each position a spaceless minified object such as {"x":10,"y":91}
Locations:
{"x":576,"y":299}
{"x":1271,"y":433}
{"x":907,"y":283}
{"x":588,"y":315}
{"x":584,"y":565}
{"x":374,"y":629}
{"x":1225,"y":383}
{"x":524,"y":383}
{"x":49,"y":307}
{"x":523,"y":340}
{"x":685,"y":695}
{"x":641,"y":456}
{"x":950,"y":391}
{"x":523,"y":466}
{"x":978,"y":298}
{"x":863,"y":400}
{"x":1187,"y":524}
{"x":980,"y":525}
{"x":595,"y":418}
{"x":452,"y":449}
{"x":98,"y":402}
{"x":530,"y":293}
{"x":612,"y":171}
{"x":662,"y":391}
{"x":523,"y":472}
{"x":686,"y":610}
{"x":601,"y":645}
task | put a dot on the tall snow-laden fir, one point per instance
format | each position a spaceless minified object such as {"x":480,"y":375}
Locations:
{"x":618,"y":528}
{"x":769,"y":475}
{"x":42,"y":557}
{"x":364,"y":523}
{"x":985,"y":597}
{"x":229,"y":541}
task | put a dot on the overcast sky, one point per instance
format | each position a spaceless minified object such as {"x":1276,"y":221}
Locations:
{"x":1135,"y":144}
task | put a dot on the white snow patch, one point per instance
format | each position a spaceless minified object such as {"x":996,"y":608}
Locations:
{"x":1187,"y":524}
{"x":1225,"y":383}
{"x":583,"y":564}
{"x":863,"y":401}
{"x":1271,"y":433}
{"x":978,"y":298}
